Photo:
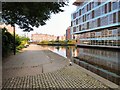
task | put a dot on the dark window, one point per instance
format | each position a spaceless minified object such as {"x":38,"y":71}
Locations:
{"x":98,"y":22}
{"x":87,"y":7}
{"x":79,"y":12}
{"x":71,"y":23}
{"x":90,"y":6}
{"x":99,"y":2}
{"x":79,"y":27}
{"x":85,"y":17}
{"x":109,"y":6}
{"x":105,"y":8}
{"x":114,"y":17}
{"x":119,"y":4}
{"x":87,"y":25}
{"x":76,"y":21}
{"x":119,"y":16}
{"x":93,"y":14}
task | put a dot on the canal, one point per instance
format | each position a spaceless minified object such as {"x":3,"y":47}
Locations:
{"x":104,"y":62}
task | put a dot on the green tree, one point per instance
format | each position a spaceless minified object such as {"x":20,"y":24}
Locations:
{"x":29,"y":14}
{"x":7,"y":42}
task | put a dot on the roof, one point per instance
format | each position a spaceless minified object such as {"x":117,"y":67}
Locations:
{"x":78,"y":2}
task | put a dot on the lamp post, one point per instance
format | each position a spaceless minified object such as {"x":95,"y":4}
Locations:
{"x":14,"y":46}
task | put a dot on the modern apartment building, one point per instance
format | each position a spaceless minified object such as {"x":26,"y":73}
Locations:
{"x":96,"y":22}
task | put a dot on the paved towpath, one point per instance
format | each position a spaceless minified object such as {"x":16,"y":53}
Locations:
{"x":37,"y":67}
{"x":34,"y":60}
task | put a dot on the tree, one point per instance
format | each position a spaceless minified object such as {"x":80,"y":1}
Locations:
{"x":7,"y":42}
{"x":29,"y":14}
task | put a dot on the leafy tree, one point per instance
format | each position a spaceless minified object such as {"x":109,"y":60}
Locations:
{"x":29,"y":14}
{"x":7,"y":42}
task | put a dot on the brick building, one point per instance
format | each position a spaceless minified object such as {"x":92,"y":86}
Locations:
{"x":68,"y":33}
{"x":42,"y":37}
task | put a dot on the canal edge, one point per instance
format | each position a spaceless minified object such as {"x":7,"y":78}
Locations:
{"x":99,"y":78}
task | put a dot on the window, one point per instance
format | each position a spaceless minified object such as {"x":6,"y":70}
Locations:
{"x":74,"y":15}
{"x":110,"y":19}
{"x":98,"y":12}
{"x":93,"y":14}
{"x":114,"y":5}
{"x":109,"y":6}
{"x":98,"y":22}
{"x":105,"y":8}
{"x":99,"y":2}
{"x":87,"y":7}
{"x":87,"y":25}
{"x":79,"y":12}
{"x":119,"y":4}
{"x":85,"y":17}
{"x":119,"y":16}
{"x":92,"y":5}
{"x":76,"y":21}
{"x":71,"y":23}
{"x":114,"y":32}
{"x":114,"y":17}
{"x":79,"y":27}
{"x":74,"y":29}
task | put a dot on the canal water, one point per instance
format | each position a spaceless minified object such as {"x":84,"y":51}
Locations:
{"x":104,"y":62}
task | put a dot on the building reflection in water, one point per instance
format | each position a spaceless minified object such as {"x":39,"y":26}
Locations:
{"x":105,"y":63}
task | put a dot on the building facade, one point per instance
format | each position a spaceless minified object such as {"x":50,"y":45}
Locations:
{"x":68,"y":33}
{"x":42,"y":37}
{"x":96,"y":23}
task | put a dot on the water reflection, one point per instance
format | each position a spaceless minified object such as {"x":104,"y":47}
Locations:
{"x":102,"y":62}
{"x":105,"y":63}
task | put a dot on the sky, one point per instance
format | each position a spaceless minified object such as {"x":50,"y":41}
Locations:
{"x":56,"y":25}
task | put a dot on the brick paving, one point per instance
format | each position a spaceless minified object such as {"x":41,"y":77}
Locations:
{"x":67,"y":77}
{"x":40,"y":68}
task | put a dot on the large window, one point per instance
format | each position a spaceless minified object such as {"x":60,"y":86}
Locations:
{"x":110,"y":18}
{"x":106,"y":20}
{"x":97,"y":12}
{"x":114,"y":5}
{"x":103,"y":9}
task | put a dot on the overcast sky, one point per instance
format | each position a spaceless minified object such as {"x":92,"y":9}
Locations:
{"x":58,"y":23}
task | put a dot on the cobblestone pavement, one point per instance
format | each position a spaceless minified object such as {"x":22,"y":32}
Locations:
{"x":67,"y":77}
